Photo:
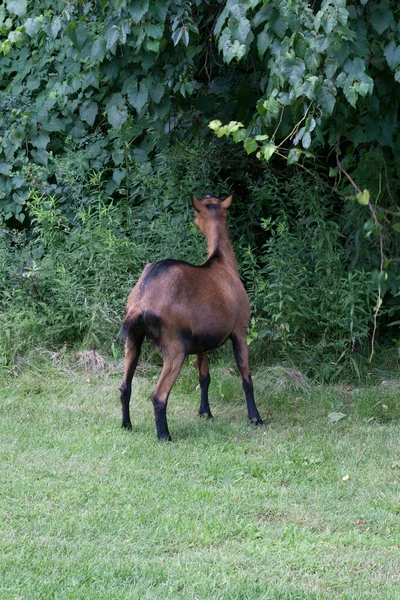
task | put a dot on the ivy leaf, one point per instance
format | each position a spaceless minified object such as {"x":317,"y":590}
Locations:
{"x":17,"y":7}
{"x":138,"y":96}
{"x":243,"y":30}
{"x":118,"y":175}
{"x":138,"y":9}
{"x":98,"y":50}
{"x":363,"y":198}
{"x":89,"y":112}
{"x":153,"y":45}
{"x":156,"y":92}
{"x":176,"y":35}
{"x":32,"y":26}
{"x":40,"y":140}
{"x":40,"y":155}
{"x":293,"y":69}
{"x":139,"y":155}
{"x":381,"y":17}
{"x":326,"y":97}
{"x":55,"y":27}
{"x":112,"y":37}
{"x":154,"y":30}
{"x":392,"y":55}
{"x":117,"y":112}
{"x":250,"y":145}
{"x":306,"y":140}
{"x":351,"y":95}
{"x":293,"y":156}
{"x":334,"y":417}
{"x":264,"y":40}
{"x":269,"y":150}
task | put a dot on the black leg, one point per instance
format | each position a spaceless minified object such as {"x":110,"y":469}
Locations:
{"x":242,"y":361}
{"x":132,"y":352}
{"x":204,"y":381}
{"x":159,"y":397}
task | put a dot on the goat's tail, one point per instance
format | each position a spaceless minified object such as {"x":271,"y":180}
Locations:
{"x":132,"y":320}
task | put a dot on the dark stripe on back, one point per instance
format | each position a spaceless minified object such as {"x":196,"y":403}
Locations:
{"x":159,"y":268}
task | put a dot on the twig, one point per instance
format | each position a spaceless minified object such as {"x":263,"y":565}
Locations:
{"x":375,"y":218}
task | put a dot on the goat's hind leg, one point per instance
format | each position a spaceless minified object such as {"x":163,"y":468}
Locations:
{"x":242,"y":361}
{"x":171,"y":368}
{"x":204,"y":381}
{"x":133,"y":344}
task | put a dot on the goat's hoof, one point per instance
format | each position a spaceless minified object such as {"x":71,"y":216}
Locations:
{"x":205,"y":415}
{"x":165,"y":438}
{"x":257,"y":421}
{"x":127,"y":426}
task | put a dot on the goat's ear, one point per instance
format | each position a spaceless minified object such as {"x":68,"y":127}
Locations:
{"x":227,"y":202}
{"x":196,"y":204}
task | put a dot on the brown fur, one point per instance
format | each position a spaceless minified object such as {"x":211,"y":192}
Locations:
{"x":187,"y":309}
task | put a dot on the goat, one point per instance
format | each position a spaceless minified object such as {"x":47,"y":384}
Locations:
{"x":186,"y":309}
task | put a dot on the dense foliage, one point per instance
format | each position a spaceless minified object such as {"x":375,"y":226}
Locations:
{"x":104,"y":133}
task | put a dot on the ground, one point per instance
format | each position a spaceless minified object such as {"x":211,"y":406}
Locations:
{"x":305,"y":508}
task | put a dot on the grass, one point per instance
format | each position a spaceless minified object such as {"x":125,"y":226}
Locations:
{"x":227,"y":511}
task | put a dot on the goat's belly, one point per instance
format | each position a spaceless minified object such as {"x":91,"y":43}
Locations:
{"x":202,"y":342}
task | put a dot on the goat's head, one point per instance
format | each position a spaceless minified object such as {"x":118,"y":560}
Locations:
{"x":208,"y":210}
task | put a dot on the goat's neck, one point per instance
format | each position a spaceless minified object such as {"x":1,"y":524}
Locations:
{"x":218,"y":241}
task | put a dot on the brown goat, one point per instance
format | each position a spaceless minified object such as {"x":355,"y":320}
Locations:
{"x":186,"y":309}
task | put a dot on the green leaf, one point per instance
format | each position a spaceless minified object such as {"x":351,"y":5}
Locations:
{"x":138,"y":8}
{"x":293,"y":69}
{"x":306,"y":140}
{"x":264,"y":40}
{"x":326,"y":97}
{"x":40,"y":140}
{"x":156,"y":92}
{"x":215,"y":125}
{"x":112,"y":37}
{"x":363,"y":198}
{"x":381,"y":17}
{"x":269,"y":150}
{"x":98,"y":50}
{"x":153,"y":45}
{"x":138,"y":96}
{"x":55,"y":27}
{"x":32,"y":26}
{"x":239,"y":135}
{"x":176,"y":35}
{"x":334,"y":417}
{"x":154,"y":30}
{"x":250,"y":145}
{"x":312,"y":60}
{"x":293,"y":156}
{"x":40,"y":155}
{"x":89,"y":112}
{"x":118,"y":175}
{"x":396,"y":227}
{"x":117,"y":112}
{"x":351,"y":95}
{"x":243,"y":30}
{"x":392,"y":55}
{"x":17,"y":7}
{"x":139,"y":155}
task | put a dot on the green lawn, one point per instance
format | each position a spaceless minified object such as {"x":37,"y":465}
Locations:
{"x":226,"y":511}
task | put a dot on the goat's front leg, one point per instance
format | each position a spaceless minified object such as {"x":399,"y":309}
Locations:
{"x":242,"y":361}
{"x":132,"y":352}
{"x":204,"y":381}
{"x":170,"y":371}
